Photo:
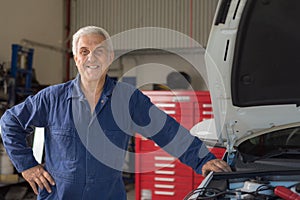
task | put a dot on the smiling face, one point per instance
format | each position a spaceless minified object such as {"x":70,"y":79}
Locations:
{"x":92,"y":57}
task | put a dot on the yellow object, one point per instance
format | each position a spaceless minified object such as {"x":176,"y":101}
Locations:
{"x":9,"y":178}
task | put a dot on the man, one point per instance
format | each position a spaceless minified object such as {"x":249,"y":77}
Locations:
{"x":88,"y":122}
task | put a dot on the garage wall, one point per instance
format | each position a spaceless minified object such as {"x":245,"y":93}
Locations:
{"x":43,"y":22}
{"x":154,"y":67}
{"x":191,"y":18}
{"x":39,"y":21}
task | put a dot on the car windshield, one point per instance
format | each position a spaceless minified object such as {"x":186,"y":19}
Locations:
{"x":283,"y":143}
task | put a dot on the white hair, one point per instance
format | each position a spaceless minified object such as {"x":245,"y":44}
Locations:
{"x":90,"y":30}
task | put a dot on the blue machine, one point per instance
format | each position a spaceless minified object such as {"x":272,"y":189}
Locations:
{"x":21,"y":72}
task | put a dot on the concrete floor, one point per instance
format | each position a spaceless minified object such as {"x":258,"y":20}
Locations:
{"x":130,"y":192}
{"x":131,"y":195}
{"x":14,"y":192}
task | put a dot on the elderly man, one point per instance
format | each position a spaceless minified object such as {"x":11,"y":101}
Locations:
{"x":88,"y":122}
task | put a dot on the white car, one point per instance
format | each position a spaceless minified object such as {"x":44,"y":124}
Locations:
{"x":253,"y":74}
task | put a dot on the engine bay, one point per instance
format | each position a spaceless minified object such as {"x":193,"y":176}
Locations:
{"x":249,"y":185}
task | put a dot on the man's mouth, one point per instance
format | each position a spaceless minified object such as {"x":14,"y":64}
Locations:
{"x":92,"y":66}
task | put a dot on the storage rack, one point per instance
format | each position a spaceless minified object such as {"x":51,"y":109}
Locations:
{"x":21,"y":72}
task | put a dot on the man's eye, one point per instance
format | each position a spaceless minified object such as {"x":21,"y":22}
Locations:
{"x":99,"y":51}
{"x":84,"y":52}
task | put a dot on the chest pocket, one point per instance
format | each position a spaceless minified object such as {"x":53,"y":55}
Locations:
{"x":62,"y":144}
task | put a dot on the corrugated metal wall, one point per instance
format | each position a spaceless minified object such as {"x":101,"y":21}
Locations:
{"x":191,"y":17}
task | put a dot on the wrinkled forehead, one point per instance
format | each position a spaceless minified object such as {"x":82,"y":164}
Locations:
{"x":93,"y":41}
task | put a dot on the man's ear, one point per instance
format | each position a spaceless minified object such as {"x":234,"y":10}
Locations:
{"x":75,"y":58}
{"x":111,"y":57}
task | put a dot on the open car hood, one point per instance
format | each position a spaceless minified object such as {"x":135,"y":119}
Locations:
{"x":253,"y":68}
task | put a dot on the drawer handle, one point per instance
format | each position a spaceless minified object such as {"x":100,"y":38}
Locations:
{"x":170,"y":112}
{"x":165,"y":105}
{"x":207,"y":113}
{"x":164,"y":193}
{"x":207,"y":105}
{"x":164,"y":165}
{"x":164,"y":179}
{"x":164,"y":186}
{"x":164,"y":158}
{"x":164,"y":172}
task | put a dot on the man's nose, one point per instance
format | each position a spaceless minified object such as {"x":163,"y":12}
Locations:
{"x":92,"y":57}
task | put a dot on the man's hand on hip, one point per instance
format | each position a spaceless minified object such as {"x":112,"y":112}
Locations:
{"x":37,"y":175}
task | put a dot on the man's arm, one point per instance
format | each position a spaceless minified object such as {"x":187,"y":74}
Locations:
{"x":173,"y":138}
{"x":16,"y":124}
{"x":15,"y":127}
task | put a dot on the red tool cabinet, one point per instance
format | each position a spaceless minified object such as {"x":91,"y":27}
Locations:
{"x":170,"y":179}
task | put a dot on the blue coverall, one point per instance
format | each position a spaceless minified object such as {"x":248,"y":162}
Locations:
{"x":85,"y":151}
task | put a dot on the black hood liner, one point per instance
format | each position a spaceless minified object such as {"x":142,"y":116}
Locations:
{"x":266,"y":63}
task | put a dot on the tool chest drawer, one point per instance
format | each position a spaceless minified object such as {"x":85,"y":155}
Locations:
{"x":163,"y":176}
{"x":176,"y":189}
